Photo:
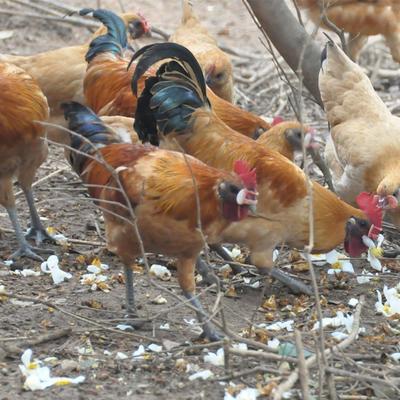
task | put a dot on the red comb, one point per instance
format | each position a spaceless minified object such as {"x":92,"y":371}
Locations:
{"x":247,"y":175}
{"x":145,"y":23}
{"x":277,"y":120}
{"x":368,"y":204}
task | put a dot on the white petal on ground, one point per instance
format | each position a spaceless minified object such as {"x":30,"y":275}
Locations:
{"x":280,"y":325}
{"x":160,"y":272}
{"x":139,"y":352}
{"x":339,"y":336}
{"x":240,"y":346}
{"x":201,"y":375}
{"x":216,"y":359}
{"x":273,"y":343}
{"x":38,"y":378}
{"x":154,"y":347}
{"x":395,"y":357}
{"x":352,"y":302}
{"x":121,"y":356}
{"x":51,"y":267}
{"x":124,"y":327}
{"x":165,"y":327}
{"x":365,"y":277}
{"x":244,"y":394}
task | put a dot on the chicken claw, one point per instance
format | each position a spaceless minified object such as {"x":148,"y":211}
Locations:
{"x":209,"y":331}
{"x":39,"y":235}
{"x":209,"y":278}
{"x":29,"y":252}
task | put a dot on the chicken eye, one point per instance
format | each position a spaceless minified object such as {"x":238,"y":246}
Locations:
{"x":219,"y":76}
{"x":396,"y":193}
{"x":363,"y":223}
{"x":233,"y":189}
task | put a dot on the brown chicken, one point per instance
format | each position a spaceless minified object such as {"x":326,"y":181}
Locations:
{"x":173,"y":107}
{"x":363,"y":151}
{"x":60,"y":72}
{"x":22,"y":149}
{"x":159,"y":187}
{"x":216,"y":64}
{"x":361,"y":18}
{"x":286,"y":138}
{"x":108,"y":92}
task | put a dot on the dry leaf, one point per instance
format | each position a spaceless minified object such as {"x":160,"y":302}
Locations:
{"x":270,"y":303}
{"x":301,"y":266}
{"x":137,"y":269}
{"x":266,"y":390}
{"x":97,"y":305}
{"x":6,"y":34}
{"x":261,"y":335}
{"x":231,"y":292}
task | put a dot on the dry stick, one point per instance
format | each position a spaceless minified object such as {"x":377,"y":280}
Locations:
{"x":263,"y":355}
{"x":303,"y":371}
{"x":331,"y":25}
{"x":38,"y":7}
{"x":368,"y":378}
{"x":76,"y":316}
{"x":72,"y":21}
{"x":70,"y":240}
{"x":47,"y":337}
{"x":246,"y":372}
{"x":294,"y":376}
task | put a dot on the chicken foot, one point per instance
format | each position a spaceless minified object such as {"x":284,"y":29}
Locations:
{"x":25,"y":249}
{"x":37,"y":230}
{"x":209,"y":331}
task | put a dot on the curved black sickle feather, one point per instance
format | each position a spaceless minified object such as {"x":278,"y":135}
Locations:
{"x":160,"y":51}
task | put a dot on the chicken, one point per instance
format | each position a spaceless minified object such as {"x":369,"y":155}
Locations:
{"x":216,"y":64}
{"x":285,"y":138}
{"x":159,"y":187}
{"x":60,"y":72}
{"x":361,"y":18}
{"x":173,"y":108}
{"x":22,"y":149}
{"x":121,"y":127}
{"x":363,"y":151}
{"x":106,"y":64}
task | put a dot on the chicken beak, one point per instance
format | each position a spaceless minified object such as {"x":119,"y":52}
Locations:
{"x":352,"y":221}
{"x":387,"y":202}
{"x":247,"y":198}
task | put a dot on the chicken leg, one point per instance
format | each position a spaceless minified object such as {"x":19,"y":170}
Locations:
{"x":25,"y":250}
{"x":293,"y":284}
{"x":37,"y":230}
{"x":129,"y":292}
{"x":187,"y":283}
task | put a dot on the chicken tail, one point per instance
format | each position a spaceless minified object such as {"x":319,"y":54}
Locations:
{"x":114,"y":41}
{"x":91,"y":133}
{"x":169,"y":99}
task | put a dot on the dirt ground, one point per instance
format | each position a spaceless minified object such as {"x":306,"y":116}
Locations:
{"x":92,"y":343}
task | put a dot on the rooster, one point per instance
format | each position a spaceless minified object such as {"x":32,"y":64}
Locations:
{"x":22,"y":150}
{"x":363,"y":150}
{"x":107,"y":83}
{"x":215,"y":63}
{"x":160,"y":188}
{"x":173,"y":108}
{"x":60,"y":72}
{"x":361,"y":18}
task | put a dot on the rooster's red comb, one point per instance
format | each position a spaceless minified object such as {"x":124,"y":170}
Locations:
{"x":367,"y":203}
{"x":277,"y":120}
{"x":145,"y":23}
{"x":247,"y":175}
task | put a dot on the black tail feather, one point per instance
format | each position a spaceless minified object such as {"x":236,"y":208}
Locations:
{"x":170,"y":98}
{"x":89,"y":126}
{"x":114,"y":40}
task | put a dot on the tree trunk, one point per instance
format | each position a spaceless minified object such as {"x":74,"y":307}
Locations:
{"x":291,"y":40}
